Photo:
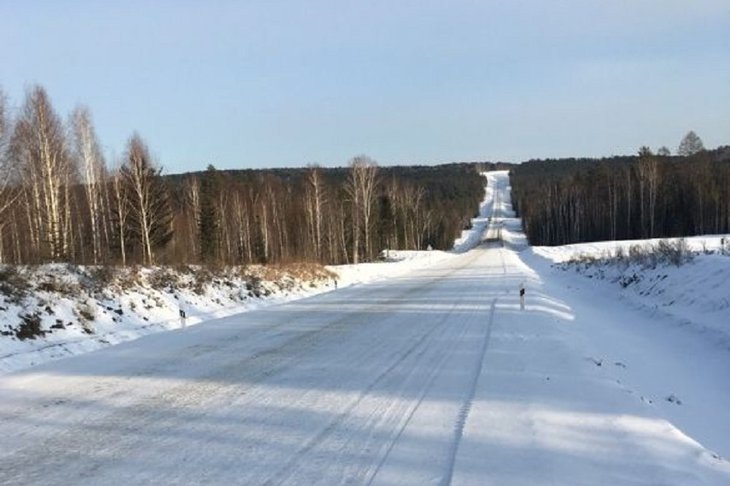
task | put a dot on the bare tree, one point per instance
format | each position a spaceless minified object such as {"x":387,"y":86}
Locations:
{"x":649,"y":179}
{"x":39,"y":149}
{"x":690,"y":144}
{"x":242,"y":228}
{"x":91,"y":167}
{"x":150,"y":214}
{"x":8,"y":192}
{"x":360,"y":187}
{"x":121,"y":212}
{"x":394,"y":198}
{"x":663,"y":151}
{"x":315,"y":199}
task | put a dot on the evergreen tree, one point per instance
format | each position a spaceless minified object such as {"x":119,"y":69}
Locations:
{"x":209,"y":224}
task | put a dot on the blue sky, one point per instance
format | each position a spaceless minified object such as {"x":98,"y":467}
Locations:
{"x":286,"y":83}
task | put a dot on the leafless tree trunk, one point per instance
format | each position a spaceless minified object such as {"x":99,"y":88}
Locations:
{"x":392,"y":191}
{"x":648,"y":182}
{"x":354,"y":195}
{"x":121,"y":210}
{"x":39,"y":147}
{"x":360,"y":187}
{"x":629,"y":194}
{"x":91,"y":165}
{"x":241,"y":224}
{"x":192,"y":210}
{"x":315,"y":199}
{"x":8,"y":194}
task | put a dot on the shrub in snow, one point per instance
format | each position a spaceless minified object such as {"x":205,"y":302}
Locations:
{"x":30,"y":327}
{"x":163,"y":278}
{"x":13,"y":284}
{"x":86,"y":310}
{"x":201,"y":279}
{"x":128,"y":278}
{"x":628,"y":266}
{"x":102,"y":277}
{"x":54,"y":284}
{"x":676,"y":252}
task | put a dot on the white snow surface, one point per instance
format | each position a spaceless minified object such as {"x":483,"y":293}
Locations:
{"x":425,"y":374}
{"x":118,"y":313}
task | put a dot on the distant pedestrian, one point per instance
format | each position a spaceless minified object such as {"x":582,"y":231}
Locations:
{"x":335,"y":284}
{"x":522,"y":296}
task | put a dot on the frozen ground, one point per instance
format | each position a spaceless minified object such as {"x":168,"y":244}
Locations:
{"x":429,"y":376}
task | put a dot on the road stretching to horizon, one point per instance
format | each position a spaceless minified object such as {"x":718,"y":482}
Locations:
{"x":434,"y":377}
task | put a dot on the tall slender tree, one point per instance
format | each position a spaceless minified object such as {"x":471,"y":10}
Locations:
{"x":315,"y":199}
{"x":40,"y":151}
{"x":93,"y":172}
{"x":360,"y":186}
{"x":8,"y":191}
{"x":209,"y":216}
{"x":150,"y":214}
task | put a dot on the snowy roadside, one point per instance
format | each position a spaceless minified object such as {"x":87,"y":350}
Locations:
{"x":54,"y":311}
{"x":660,"y":332}
{"x":694,"y":293}
{"x":59,"y":312}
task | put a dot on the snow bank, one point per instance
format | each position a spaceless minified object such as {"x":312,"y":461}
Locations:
{"x":694,"y":294}
{"x":53,"y":311}
{"x":600,"y":249}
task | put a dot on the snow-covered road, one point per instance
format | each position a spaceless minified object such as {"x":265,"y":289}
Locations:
{"x":432,"y":377}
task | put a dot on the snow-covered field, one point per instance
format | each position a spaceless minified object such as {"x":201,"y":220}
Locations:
{"x":421,"y":371}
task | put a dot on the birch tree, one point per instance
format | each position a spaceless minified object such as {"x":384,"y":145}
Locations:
{"x":8,"y":192}
{"x":360,"y":186}
{"x":149,"y":211}
{"x":191,"y":215}
{"x":92,"y":171}
{"x":315,"y":199}
{"x":120,"y":212}
{"x":39,"y":149}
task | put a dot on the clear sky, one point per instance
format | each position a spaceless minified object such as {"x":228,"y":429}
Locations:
{"x":286,"y":83}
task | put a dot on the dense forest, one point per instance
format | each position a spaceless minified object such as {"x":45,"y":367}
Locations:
{"x":644,"y":196}
{"x":61,"y":202}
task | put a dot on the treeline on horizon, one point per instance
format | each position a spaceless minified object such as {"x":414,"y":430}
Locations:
{"x":563,"y":201}
{"x":328,"y":215}
{"x":60,"y":201}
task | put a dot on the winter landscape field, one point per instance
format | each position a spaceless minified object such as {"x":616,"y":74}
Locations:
{"x":422,"y":370}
